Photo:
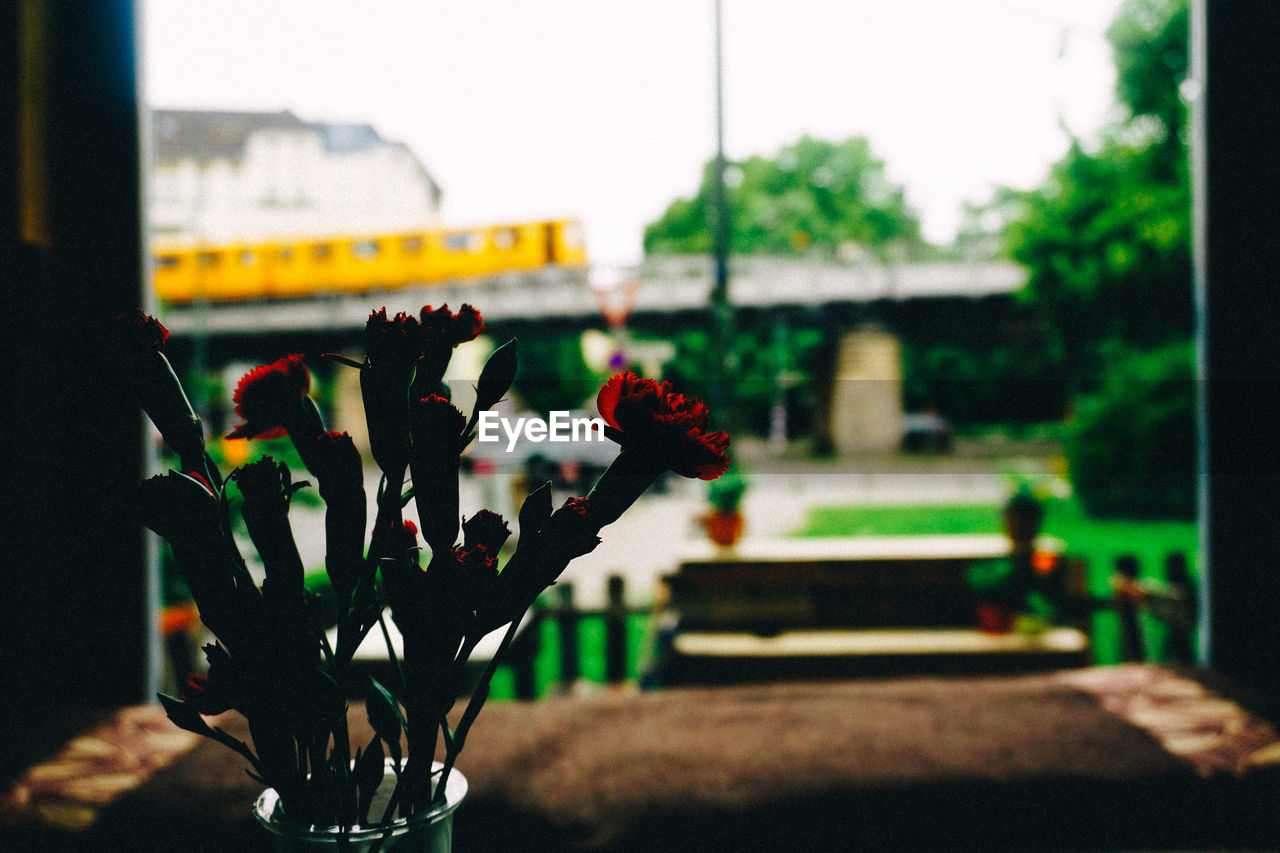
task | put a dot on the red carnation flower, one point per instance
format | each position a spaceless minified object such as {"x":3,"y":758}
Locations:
{"x":442,"y":326}
{"x":442,"y":330}
{"x":403,"y":535}
{"x":267,"y":397}
{"x":668,"y":429}
{"x":394,"y":343}
{"x":333,"y":458}
{"x":477,"y":560}
{"x":485,"y":528}
{"x":572,"y":529}
{"x":137,"y":334}
{"x":576,"y":506}
{"x":135,"y":342}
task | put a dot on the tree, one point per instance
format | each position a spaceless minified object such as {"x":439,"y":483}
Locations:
{"x":553,"y":374}
{"x":815,"y":196}
{"x":1149,"y":41}
{"x":1107,"y":242}
{"x":1132,"y":442}
{"x":761,"y":358}
{"x":1107,"y":237}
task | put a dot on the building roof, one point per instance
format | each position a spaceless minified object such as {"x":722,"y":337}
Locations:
{"x":221,"y":134}
{"x":346,"y":138}
{"x":205,"y":135}
{"x":213,"y":134}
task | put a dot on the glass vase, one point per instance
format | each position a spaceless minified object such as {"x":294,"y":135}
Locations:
{"x":430,"y":831}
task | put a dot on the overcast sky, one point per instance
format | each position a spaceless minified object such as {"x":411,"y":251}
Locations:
{"x":605,"y":110}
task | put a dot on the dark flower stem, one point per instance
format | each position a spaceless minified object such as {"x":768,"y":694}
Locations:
{"x":237,"y":745}
{"x":391,"y":653}
{"x":350,"y":632}
{"x":454,"y":745}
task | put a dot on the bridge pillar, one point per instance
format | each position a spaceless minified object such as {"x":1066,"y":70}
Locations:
{"x":866,"y":398}
{"x":348,"y":405}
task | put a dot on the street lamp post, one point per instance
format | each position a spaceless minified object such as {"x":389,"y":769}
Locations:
{"x":721,"y":308}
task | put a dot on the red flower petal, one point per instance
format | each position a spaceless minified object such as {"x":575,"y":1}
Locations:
{"x":666,"y":428}
{"x":266,"y":395}
{"x":442,"y":327}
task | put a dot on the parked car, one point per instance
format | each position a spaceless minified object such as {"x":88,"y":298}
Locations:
{"x":926,"y":432}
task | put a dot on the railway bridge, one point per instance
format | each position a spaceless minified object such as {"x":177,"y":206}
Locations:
{"x":657,"y":290}
{"x":661,"y":295}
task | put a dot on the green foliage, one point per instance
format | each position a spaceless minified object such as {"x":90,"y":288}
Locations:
{"x":1107,"y":237}
{"x":976,"y":382}
{"x":725,"y":493}
{"x":1107,"y":242}
{"x":552,"y":373}
{"x":1132,"y":444}
{"x":759,"y":360}
{"x":814,"y":197}
{"x":991,"y":580}
{"x":1149,"y":42}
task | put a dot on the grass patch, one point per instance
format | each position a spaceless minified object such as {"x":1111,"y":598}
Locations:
{"x":1098,"y":540}
{"x":914,"y":520}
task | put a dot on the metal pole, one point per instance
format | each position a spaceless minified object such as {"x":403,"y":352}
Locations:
{"x":721,"y":309}
{"x":1198,"y":62}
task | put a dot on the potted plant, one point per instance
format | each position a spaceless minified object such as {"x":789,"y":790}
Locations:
{"x":995,"y":595}
{"x":272,"y":662}
{"x":724,"y":521}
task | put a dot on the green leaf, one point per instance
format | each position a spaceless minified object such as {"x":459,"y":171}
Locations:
{"x":536,"y":510}
{"x":385,"y":716}
{"x":184,"y":716}
{"x":496,"y":377}
{"x":368,"y":775}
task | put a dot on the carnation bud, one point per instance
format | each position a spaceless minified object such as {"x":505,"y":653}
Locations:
{"x":535,"y":510}
{"x":496,"y":377}
{"x":436,"y":434}
{"x":486,"y":529}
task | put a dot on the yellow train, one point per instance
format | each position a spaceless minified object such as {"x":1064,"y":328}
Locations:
{"x":292,"y":269}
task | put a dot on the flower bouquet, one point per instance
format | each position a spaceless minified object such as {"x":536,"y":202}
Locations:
{"x":272,"y":661}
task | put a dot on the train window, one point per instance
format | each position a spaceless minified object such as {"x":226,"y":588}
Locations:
{"x":411,"y":245}
{"x":463,"y":241}
{"x":321,"y":251}
{"x":207,"y":259}
{"x":168,"y":262}
{"x":573,"y":235}
{"x":248,"y":258}
{"x":505,"y":238}
{"x":285,"y":254}
{"x":365,"y":250}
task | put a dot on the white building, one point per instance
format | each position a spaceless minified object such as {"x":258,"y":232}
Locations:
{"x":228,"y":176}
